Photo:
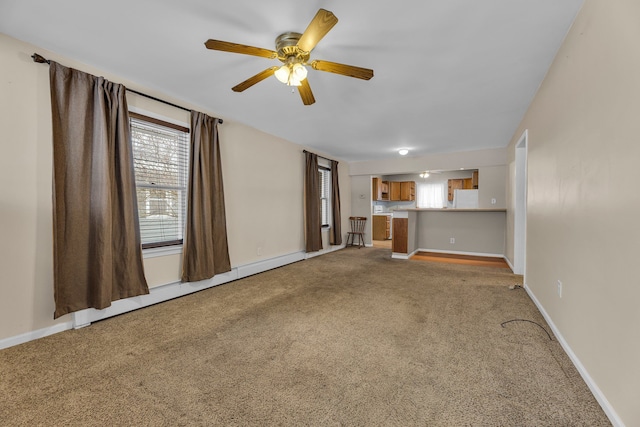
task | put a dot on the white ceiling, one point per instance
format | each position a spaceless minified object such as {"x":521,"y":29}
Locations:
{"x":450,"y":75}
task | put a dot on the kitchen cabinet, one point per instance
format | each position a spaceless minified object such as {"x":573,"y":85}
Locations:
{"x":408,"y":191}
{"x":376,"y":187}
{"x":462,"y":184}
{"x":381,"y":227}
{"x":379,"y":189}
{"x":394,"y":191}
{"x":454,"y":184}
{"x":384,"y":190}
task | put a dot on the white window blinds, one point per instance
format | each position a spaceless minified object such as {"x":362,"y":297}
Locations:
{"x":160,"y":159}
{"x":325,"y":191}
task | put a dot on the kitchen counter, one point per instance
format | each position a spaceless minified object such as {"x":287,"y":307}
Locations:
{"x":478,"y":232}
{"x":451,"y":210}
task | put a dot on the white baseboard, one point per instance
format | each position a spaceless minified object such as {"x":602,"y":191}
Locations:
{"x":595,"y":390}
{"x":158,"y":294}
{"x":331,"y":248}
{"x":400,"y":255}
{"x":439,"y":251}
{"x":34,"y":335}
{"x":508,"y":263}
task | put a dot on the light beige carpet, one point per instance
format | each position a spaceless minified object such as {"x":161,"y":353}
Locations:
{"x":348,"y":338}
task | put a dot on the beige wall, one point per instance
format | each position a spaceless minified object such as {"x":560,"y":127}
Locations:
{"x":262,"y":178}
{"x":474,"y":232}
{"x":491,"y":185}
{"x":583,"y":205}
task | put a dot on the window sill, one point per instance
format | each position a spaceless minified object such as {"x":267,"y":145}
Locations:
{"x":162,"y":251}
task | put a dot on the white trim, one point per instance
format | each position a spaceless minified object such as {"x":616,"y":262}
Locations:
{"x":508,"y":263}
{"x":167,"y":119}
{"x":595,"y":390}
{"x":332,"y":248}
{"x":268,"y":264}
{"x":162,"y":251}
{"x":400,"y":255}
{"x":519,"y":195}
{"x":34,"y":335}
{"x":438,"y":251}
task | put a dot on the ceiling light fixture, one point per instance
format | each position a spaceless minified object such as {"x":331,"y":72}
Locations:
{"x":424,"y":175}
{"x":403,"y":152}
{"x":291,"y":74}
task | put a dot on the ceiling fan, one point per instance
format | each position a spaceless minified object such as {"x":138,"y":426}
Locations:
{"x":293,"y":50}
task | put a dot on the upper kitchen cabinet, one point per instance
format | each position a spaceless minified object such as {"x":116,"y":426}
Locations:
{"x":380,"y":189}
{"x":462,"y":184}
{"x":402,"y":191}
{"x":394,"y":190}
{"x":408,"y":191}
{"x":453,"y":185}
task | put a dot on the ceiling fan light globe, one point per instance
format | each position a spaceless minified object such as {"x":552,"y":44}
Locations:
{"x":282,"y":74}
{"x":300,"y":72}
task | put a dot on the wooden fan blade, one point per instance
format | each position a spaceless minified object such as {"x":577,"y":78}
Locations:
{"x":255,"y":79}
{"x":345,"y":70}
{"x":240,"y":48}
{"x":319,"y":26}
{"x":305,"y":93}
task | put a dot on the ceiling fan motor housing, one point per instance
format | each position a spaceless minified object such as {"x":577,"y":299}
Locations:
{"x":287,"y":47}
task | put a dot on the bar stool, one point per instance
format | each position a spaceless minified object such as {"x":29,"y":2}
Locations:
{"x":357,"y":230}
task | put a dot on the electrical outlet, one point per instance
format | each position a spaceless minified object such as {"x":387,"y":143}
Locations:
{"x":259,"y":251}
{"x":559,"y":288}
{"x":452,"y":240}
{"x":493,"y":201}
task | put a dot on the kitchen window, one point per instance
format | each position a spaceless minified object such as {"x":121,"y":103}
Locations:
{"x":325,"y":195}
{"x":431,"y":195}
{"x":160,"y":159}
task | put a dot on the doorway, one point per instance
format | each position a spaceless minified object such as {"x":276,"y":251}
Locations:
{"x":520,"y":217}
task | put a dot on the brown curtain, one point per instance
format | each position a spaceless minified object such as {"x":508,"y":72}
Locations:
{"x":97,"y":252}
{"x":312,"y":220}
{"x":335,"y":236}
{"x":205,"y":250}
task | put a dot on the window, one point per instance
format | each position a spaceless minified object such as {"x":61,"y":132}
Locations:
{"x":325,"y":201}
{"x":431,"y":195}
{"x":160,"y":158}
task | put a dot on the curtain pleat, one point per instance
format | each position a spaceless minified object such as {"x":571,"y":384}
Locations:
{"x":335,"y":236}
{"x":205,"y":250}
{"x":97,"y":251}
{"x":312,"y":214}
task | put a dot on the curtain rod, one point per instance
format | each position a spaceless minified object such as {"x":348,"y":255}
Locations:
{"x":326,"y":158}
{"x":42,"y":60}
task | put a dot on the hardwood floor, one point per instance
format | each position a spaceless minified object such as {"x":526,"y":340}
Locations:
{"x":461,"y":259}
{"x":381,"y":244}
{"x":450,"y":258}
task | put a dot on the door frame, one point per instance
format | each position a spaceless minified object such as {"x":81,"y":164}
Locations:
{"x":520,"y":214}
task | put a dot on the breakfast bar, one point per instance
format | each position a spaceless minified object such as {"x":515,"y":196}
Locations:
{"x":478,"y":232}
